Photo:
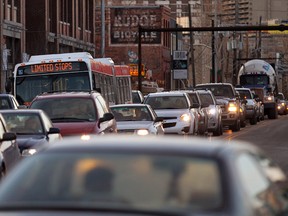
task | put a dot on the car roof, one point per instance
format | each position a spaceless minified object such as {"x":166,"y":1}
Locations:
{"x":21,"y":111}
{"x":167,"y":93}
{"x":204,"y":84}
{"x":152,"y":144}
{"x":66,"y":94}
{"x":130,"y":105}
{"x":246,"y":89}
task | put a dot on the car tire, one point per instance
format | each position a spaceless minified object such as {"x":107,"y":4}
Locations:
{"x":219,"y":130}
{"x":236,"y":127}
{"x":253,"y":120}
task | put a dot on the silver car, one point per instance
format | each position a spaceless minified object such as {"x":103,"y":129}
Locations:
{"x":214,"y":111}
{"x":139,"y":119}
{"x":176,"y":110}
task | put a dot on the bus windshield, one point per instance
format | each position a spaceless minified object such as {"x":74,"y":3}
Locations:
{"x":27,"y":87}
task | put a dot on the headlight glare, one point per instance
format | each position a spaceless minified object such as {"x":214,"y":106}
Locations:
{"x":142,"y":132}
{"x":232,"y":107}
{"x":212,"y":111}
{"x":185,"y":117}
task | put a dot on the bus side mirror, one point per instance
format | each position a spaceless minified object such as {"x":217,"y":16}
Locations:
{"x":8,"y":85}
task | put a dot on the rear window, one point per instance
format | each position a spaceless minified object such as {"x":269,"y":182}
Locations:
{"x":135,"y":180}
{"x":63,"y":109}
{"x":168,"y":102}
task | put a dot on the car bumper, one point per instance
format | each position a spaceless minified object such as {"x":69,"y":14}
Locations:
{"x":177,"y":127}
{"x":229,"y":119}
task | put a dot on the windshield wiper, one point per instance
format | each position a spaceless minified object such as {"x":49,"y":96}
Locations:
{"x":70,"y":119}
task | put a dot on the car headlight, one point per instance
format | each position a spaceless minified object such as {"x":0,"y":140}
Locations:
{"x":283,"y":104}
{"x":212,"y":111}
{"x":28,"y":152}
{"x":232,"y":107}
{"x":142,"y":132}
{"x":185,"y":117}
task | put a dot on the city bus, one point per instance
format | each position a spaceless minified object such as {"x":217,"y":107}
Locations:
{"x":70,"y":72}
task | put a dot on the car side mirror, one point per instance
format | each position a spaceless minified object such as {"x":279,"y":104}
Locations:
{"x":159,"y":119}
{"x":9,"y":136}
{"x":54,"y":130}
{"x":106,"y":117}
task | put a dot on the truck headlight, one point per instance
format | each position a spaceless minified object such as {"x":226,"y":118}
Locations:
{"x":232,"y":107}
{"x":142,"y":132}
{"x":185,"y":117}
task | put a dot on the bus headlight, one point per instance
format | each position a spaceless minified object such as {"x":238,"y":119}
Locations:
{"x":185,"y":117}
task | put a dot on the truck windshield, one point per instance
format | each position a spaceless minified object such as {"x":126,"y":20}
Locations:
{"x":252,"y":79}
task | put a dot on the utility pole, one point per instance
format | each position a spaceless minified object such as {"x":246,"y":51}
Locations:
{"x":214,"y":44}
{"x":213,"y":55}
{"x":259,"y":41}
{"x":102,"y":28}
{"x":192,"y":61}
{"x":234,"y":46}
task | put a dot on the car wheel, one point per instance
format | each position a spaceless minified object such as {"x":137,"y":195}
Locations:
{"x":253,"y":120}
{"x":219,"y":130}
{"x":236,"y":126}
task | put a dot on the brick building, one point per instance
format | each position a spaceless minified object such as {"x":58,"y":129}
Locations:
{"x":54,"y":26}
{"x":121,"y":39}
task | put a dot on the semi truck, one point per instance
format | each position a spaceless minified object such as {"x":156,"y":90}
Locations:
{"x":260,"y":77}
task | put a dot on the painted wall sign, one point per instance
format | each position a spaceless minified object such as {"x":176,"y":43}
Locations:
{"x":125,"y":21}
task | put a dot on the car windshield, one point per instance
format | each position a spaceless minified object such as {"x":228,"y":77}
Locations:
{"x":62,"y":109}
{"x":219,"y":91}
{"x":131,"y":113}
{"x":167,"y":102}
{"x":206,"y":99}
{"x":138,"y":181}
{"x":23,"y":123}
{"x":244,"y":94}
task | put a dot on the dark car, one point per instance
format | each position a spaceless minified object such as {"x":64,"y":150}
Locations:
{"x":137,"y":96}
{"x":8,"y":101}
{"x":33,"y":128}
{"x":108,"y":175}
{"x":9,"y":151}
{"x":77,"y":113}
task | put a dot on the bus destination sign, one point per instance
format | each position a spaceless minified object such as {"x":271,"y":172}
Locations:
{"x":52,"y":68}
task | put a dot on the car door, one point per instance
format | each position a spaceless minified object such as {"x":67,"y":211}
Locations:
{"x":9,"y":149}
{"x":102,"y":108}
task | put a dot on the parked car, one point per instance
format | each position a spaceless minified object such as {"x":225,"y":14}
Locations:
{"x":214,"y":111}
{"x":252,"y":110}
{"x":138,"y":119}
{"x":166,"y":175}
{"x":226,"y":96}
{"x":9,"y":150}
{"x":282,"y":104}
{"x":77,"y":113}
{"x":8,"y":101}
{"x":33,"y":128}
{"x":137,"y":96}
{"x":201,"y":114}
{"x":176,"y":110}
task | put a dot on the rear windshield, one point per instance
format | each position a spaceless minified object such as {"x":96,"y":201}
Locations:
{"x":139,"y":181}
{"x":62,"y":109}
{"x":167,"y":102}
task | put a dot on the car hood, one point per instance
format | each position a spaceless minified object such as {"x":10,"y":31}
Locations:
{"x":27,"y":141}
{"x":74,"y":128}
{"x":223,"y":101}
{"x":133,"y":125}
{"x":171,"y":112}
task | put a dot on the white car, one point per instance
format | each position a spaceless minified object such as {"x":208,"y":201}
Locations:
{"x":137,"y":119}
{"x":176,"y":110}
{"x":213,"y":110}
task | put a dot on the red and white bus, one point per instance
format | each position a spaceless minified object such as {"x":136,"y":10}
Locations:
{"x":71,"y":72}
